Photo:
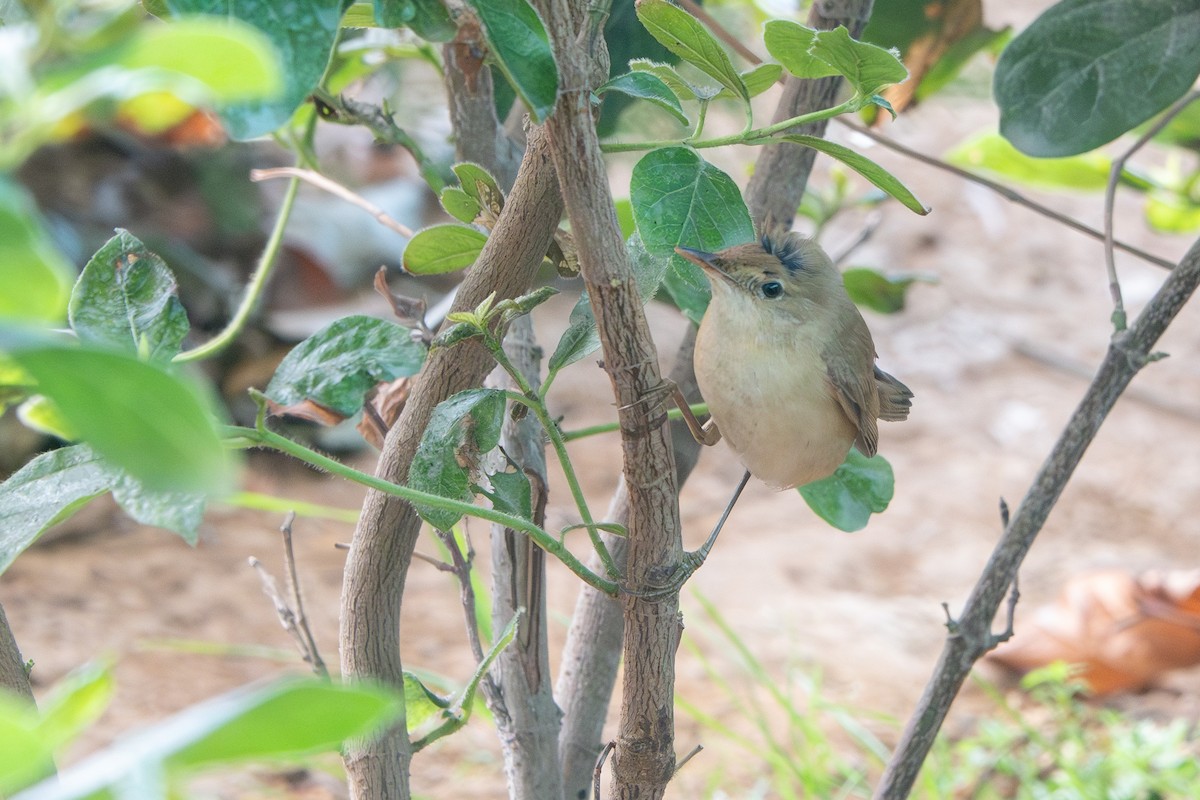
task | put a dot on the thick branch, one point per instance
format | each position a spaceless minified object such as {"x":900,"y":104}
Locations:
{"x":782,"y":171}
{"x":13,"y":676}
{"x":644,"y":759}
{"x":387,"y":531}
{"x":971,"y":635}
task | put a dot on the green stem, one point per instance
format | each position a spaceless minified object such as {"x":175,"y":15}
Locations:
{"x":263,"y":437}
{"x":530,"y":399}
{"x":613,"y":427}
{"x":752,"y":137}
{"x":256,"y":288}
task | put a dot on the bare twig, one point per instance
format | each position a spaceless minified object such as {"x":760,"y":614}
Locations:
{"x":695,"y":751}
{"x":291,"y":614}
{"x":461,"y":567}
{"x":596,"y":773}
{"x":1110,"y":197}
{"x":1004,"y":191}
{"x":971,"y":635}
{"x":336,"y":189}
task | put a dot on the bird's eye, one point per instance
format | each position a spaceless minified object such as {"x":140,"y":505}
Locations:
{"x":772,"y":289}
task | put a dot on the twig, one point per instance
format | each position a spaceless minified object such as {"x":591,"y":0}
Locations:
{"x":1110,"y":197}
{"x":971,"y":635}
{"x":291,"y":615}
{"x":461,"y":567}
{"x":1005,"y":192}
{"x":695,"y":751}
{"x":608,"y":748}
{"x":336,"y":189}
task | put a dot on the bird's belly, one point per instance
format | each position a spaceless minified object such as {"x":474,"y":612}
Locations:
{"x":775,"y":412}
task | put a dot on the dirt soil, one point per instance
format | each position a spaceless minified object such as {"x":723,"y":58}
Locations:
{"x":998,"y":353}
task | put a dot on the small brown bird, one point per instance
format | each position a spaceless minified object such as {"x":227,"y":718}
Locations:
{"x":786,"y":363}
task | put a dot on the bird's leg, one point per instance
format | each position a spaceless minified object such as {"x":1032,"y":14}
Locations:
{"x":694,"y":560}
{"x":706,"y":434}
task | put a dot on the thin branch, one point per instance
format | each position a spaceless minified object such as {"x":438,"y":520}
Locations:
{"x":336,"y":189}
{"x":293,"y":581}
{"x":291,"y":614}
{"x":460,"y":565}
{"x":1005,"y":192}
{"x":971,"y":636}
{"x":1110,"y":197}
{"x":255,"y":289}
{"x":596,"y":773}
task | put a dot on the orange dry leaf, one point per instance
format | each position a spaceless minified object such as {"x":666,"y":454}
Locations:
{"x":953,"y":20}
{"x":1123,"y":631}
{"x":383,"y":409}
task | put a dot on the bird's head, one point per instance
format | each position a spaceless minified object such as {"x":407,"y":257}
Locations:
{"x":788,"y":275}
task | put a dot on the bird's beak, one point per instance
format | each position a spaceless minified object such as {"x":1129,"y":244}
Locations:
{"x":703,"y":260}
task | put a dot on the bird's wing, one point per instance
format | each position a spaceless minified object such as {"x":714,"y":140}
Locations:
{"x":853,"y":386}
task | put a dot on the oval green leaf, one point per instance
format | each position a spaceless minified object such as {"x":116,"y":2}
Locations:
{"x":459,"y":204}
{"x":127,"y":298}
{"x":442,"y":248}
{"x":1087,"y":71}
{"x":649,"y":87}
{"x":303,"y":39}
{"x":790,"y":44}
{"x":157,"y":425}
{"x":234,"y":61}
{"x":522,"y":52}
{"x":680,"y":199}
{"x":863,"y":166}
{"x":339,"y":364}
{"x":857,"y":489}
{"x":683,"y":35}
{"x":35,"y":278}
{"x":462,"y":429}
{"x":867,"y":67}
{"x":1088,"y":172}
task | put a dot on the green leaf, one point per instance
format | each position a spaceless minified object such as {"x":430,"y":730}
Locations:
{"x":461,"y":431}
{"x":420,"y":702}
{"x":860,"y":487}
{"x":581,"y":338}
{"x":442,"y":248}
{"x":790,"y":44}
{"x":883,"y":293}
{"x":47,"y":490}
{"x":479,"y":184}
{"x":1172,"y":213}
{"x":339,"y":364}
{"x":432,"y":21}
{"x":286,"y":718}
{"x":35,"y":278}
{"x":26,"y":756}
{"x":155,"y":424}
{"x":867,"y":67}
{"x":292,"y":718}
{"x":1087,"y":71}
{"x":180,"y":512}
{"x":863,"y":166}
{"x":761,"y":78}
{"x":510,"y":493}
{"x":39,"y":414}
{"x":993,"y":153}
{"x":649,"y":87}
{"x":667,"y":74}
{"x":394,"y":13}
{"x":680,"y":199}
{"x":522,"y":52}
{"x":679,"y":32}
{"x":459,"y":204}
{"x":127,"y":298}
{"x":526,"y":303}
{"x":303,"y":35}
{"x":76,"y":702}
{"x":233,"y":60}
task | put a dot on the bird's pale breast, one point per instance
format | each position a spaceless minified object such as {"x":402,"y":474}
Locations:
{"x":766,"y":387}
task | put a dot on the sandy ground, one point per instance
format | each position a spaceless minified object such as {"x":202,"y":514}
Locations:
{"x":984,"y":350}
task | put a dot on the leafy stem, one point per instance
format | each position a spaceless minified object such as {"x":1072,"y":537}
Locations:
{"x":756,"y":136}
{"x":261,"y":436}
{"x":530,"y":399}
